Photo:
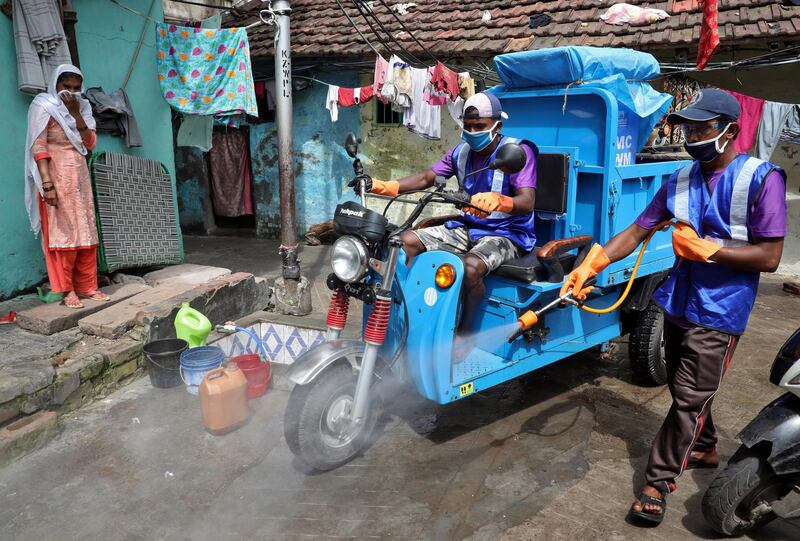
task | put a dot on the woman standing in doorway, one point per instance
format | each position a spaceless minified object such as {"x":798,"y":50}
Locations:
{"x":58,"y":191}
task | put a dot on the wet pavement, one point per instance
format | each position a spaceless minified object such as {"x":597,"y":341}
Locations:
{"x":556,"y":455}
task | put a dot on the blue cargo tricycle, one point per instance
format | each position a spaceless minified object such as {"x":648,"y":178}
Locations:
{"x":588,"y":190}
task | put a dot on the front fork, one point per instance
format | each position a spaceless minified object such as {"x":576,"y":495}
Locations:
{"x":374,"y":332}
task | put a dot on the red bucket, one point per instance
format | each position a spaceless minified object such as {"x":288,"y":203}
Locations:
{"x":257,"y":372}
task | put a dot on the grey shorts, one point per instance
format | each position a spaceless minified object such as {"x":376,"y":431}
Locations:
{"x":493,"y":251}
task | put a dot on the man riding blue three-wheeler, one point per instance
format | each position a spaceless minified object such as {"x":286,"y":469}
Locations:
{"x":504,"y":230}
{"x":731,"y":221}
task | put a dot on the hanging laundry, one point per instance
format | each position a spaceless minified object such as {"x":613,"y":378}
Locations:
{"x":749,"y":120}
{"x":40,"y":42}
{"x":205,"y":71}
{"x":456,"y":109}
{"x":421,"y":117}
{"x":791,"y":129}
{"x":430,"y":94}
{"x":381,"y":67}
{"x":114,"y":115}
{"x":332,"y":102}
{"x":466,"y":85}
{"x":397,"y":85}
{"x":347,"y":97}
{"x":445,"y":80}
{"x":773,"y":118}
{"x":229,"y":121}
{"x":196,"y":131}
{"x":709,"y":34}
{"x":265,"y":92}
{"x":229,"y":160}
{"x":623,"y":13}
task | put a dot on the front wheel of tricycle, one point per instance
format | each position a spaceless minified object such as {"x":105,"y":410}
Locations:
{"x":317,"y":423}
{"x":646,"y":346}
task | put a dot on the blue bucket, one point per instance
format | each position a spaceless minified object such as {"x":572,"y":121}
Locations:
{"x":196,"y":362}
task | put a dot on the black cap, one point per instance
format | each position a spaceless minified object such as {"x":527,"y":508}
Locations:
{"x":709,"y":104}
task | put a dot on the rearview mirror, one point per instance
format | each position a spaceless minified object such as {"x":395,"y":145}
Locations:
{"x":351,"y":145}
{"x":510,"y":159}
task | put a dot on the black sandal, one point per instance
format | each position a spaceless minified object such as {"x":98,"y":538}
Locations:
{"x":647,"y":516}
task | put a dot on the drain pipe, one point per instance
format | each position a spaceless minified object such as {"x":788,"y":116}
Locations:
{"x":292,"y":292}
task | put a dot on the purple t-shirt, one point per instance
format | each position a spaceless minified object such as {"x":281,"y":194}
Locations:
{"x":526,"y":178}
{"x":767,"y":216}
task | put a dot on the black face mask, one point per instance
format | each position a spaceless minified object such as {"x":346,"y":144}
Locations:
{"x":705,"y":151}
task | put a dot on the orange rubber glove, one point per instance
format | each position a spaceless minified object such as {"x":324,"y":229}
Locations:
{"x":688,"y":244}
{"x":596,"y":260}
{"x":488,"y":202}
{"x":385,"y":187}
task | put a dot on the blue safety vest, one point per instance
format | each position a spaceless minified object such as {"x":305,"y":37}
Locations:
{"x":519,"y":228}
{"x":707,"y":294}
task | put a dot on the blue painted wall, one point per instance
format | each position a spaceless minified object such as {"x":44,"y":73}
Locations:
{"x":322,"y":168}
{"x":20,"y":252}
{"x":107,"y":36}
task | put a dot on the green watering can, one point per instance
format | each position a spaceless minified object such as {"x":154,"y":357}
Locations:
{"x":192,"y":326}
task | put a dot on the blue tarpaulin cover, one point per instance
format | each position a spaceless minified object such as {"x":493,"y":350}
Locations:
{"x":623,"y":72}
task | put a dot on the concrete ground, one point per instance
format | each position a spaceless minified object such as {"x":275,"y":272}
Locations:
{"x":557,"y":455}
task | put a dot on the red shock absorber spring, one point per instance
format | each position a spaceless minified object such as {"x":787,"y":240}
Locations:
{"x":377,"y":322}
{"x":337,"y":310}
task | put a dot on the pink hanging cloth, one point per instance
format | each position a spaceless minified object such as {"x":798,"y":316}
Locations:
{"x":749,"y":120}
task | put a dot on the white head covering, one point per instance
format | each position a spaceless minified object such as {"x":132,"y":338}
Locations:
{"x":45,"y":106}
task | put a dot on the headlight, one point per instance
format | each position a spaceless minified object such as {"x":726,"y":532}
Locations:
{"x":349,"y":259}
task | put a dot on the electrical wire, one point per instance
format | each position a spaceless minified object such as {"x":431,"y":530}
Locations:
{"x":139,"y":13}
{"x":341,"y":7}
{"x":201,"y":4}
{"x":416,"y":59}
{"x":405,"y":57}
{"x":407,"y":31}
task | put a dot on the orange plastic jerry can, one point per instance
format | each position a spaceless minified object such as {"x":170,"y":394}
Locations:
{"x":223,"y":400}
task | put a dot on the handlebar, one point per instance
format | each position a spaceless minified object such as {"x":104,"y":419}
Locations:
{"x":458,"y":198}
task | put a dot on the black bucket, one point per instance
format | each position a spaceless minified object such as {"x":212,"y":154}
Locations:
{"x":163,"y":362}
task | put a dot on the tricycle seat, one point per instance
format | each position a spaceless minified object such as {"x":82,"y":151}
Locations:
{"x":529,"y":269}
{"x":550,"y":263}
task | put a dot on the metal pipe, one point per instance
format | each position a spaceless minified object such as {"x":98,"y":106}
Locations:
{"x":361,"y":400}
{"x":283,"y":104}
{"x":70,"y":18}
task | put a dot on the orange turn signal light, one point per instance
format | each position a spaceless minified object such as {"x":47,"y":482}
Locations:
{"x":445,"y":275}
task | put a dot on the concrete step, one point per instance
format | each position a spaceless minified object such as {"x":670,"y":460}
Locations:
{"x":52,"y":318}
{"x":223,"y":298}
{"x":187,"y":272}
{"x":26,"y":434}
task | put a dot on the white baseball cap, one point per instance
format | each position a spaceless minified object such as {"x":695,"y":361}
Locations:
{"x":488,"y":106}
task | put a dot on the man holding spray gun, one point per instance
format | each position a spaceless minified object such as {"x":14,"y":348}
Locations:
{"x":731,"y":220}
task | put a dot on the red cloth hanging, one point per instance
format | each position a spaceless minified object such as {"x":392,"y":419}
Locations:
{"x":709,"y":33}
{"x":445,"y":80}
{"x":347,"y":97}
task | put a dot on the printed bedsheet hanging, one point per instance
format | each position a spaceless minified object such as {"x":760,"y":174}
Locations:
{"x":205,"y":71}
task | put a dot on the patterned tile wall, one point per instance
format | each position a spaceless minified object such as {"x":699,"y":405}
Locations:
{"x":284,"y":343}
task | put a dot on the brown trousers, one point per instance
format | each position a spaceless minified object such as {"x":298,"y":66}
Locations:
{"x":696,"y":358}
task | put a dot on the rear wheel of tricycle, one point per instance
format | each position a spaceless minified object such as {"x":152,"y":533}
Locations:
{"x":317,"y":423}
{"x":646,"y":346}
